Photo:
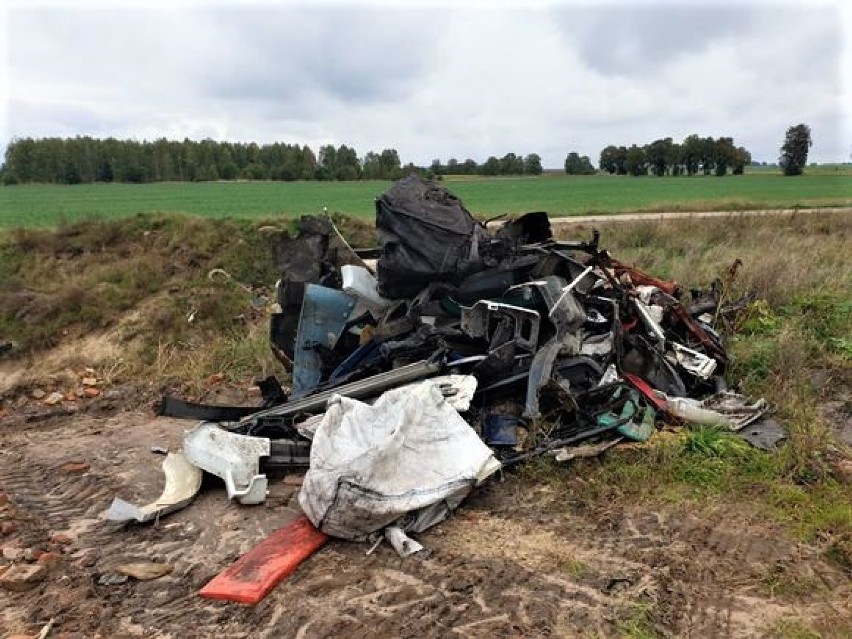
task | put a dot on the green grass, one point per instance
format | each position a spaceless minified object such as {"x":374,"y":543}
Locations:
{"x":48,"y":205}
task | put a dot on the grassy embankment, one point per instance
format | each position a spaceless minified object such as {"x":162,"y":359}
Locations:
{"x":47,"y":205}
{"x":134,"y":282}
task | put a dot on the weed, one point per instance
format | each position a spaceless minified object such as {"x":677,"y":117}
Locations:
{"x":778,"y":582}
{"x":636,"y":623}
{"x":710,"y":441}
{"x":793,"y":629}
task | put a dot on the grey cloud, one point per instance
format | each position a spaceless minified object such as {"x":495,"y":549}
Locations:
{"x":639,"y":40}
{"x":60,"y":119}
{"x":349,"y":54}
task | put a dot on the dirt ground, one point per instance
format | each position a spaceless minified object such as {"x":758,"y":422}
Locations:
{"x":513,"y":562}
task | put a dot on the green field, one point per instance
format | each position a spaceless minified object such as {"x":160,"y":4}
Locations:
{"x":48,"y":205}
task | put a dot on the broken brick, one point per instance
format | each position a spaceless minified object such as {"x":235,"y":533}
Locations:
{"x":22,"y":577}
{"x":60,"y":539}
{"x":74,"y":467}
{"x":91,"y":391}
{"x":49,"y":558}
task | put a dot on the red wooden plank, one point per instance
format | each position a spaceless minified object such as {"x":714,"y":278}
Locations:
{"x":253,"y":575}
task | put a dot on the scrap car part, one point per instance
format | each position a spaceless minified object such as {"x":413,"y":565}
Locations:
{"x":315,"y":256}
{"x":540,"y":370}
{"x":287,"y":454}
{"x":635,"y":421}
{"x":178,"y":408}
{"x":183,"y":481}
{"x":359,"y":282}
{"x":641,"y":358}
{"x":694,"y":362}
{"x":233,"y":457}
{"x":325,"y":312}
{"x":476,"y":321}
{"x":650,"y":323}
{"x":694,"y":328}
{"x":563,"y":309}
{"x":363,"y":388}
{"x":567,"y":316}
{"x":639,"y":277}
{"x":566,"y":291}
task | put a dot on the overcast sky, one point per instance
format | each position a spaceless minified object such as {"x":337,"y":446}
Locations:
{"x":431,"y":80}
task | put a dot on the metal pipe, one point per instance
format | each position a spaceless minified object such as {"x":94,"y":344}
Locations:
{"x":357,"y":390}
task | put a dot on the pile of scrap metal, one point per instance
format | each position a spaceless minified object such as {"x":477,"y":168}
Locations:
{"x":463,"y":352}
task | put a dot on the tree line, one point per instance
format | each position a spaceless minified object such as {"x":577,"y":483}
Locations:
{"x":86,"y":160}
{"x":665,"y":157}
{"x":509,"y":164}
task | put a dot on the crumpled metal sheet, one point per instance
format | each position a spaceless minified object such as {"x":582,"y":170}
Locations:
{"x":325,"y":312}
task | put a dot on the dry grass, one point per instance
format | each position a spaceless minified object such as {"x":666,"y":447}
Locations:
{"x":782,"y":256}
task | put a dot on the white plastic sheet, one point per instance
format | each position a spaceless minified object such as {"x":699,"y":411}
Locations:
{"x":410,"y":453}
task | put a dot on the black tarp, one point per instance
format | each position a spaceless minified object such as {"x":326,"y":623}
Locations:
{"x":426,"y":235}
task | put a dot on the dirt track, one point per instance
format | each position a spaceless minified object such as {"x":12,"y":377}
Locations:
{"x":680,"y":215}
{"x":517,"y":560}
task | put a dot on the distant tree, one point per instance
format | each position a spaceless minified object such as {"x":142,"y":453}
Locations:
{"x":390,"y":164}
{"x":256,"y":171}
{"x":572,"y":163}
{"x":512,"y":164}
{"x":470,"y":167}
{"x":491,"y":166}
{"x":371,"y":167}
{"x":675,"y":159}
{"x":326,"y":163}
{"x":724,"y":154}
{"x":658,"y":154}
{"x":636,"y":163}
{"x":621,"y":160}
{"x":708,"y":155}
{"x":608,"y":159}
{"x":532,"y":164}
{"x":575,"y":164}
{"x":794,"y":151}
{"x":691,"y":151}
{"x":741,"y":158}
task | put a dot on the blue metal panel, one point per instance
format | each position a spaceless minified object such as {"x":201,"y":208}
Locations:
{"x":325,"y":312}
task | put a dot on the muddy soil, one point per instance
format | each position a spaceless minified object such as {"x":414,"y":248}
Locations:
{"x":516,"y":561}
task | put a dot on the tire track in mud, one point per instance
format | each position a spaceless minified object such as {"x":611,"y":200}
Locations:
{"x":52,"y":500}
{"x":346,"y":594}
{"x":49,"y":501}
{"x":498,"y":568}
